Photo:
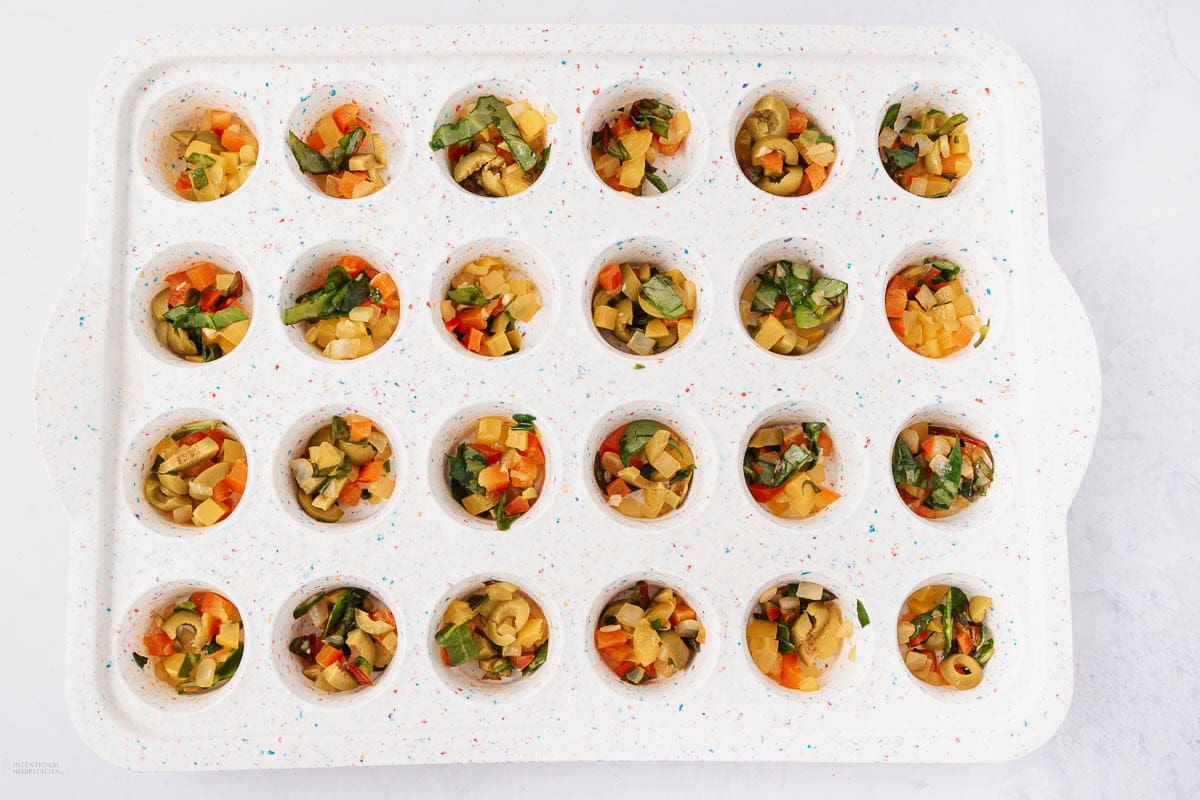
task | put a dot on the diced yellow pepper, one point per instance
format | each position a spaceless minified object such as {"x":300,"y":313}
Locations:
{"x":605,"y":317}
{"x":770,"y":333}
{"x":517,"y":439}
{"x":489,"y":430}
{"x":207,"y":513}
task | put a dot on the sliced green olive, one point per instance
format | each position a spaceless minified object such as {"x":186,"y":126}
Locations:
{"x":961,"y":671}
{"x":360,"y":644}
{"x":491,"y":179}
{"x":323,"y":435}
{"x":189,"y":455}
{"x":471,"y":163}
{"x":175,"y":339}
{"x":741,"y":145}
{"x":331,"y":514}
{"x":781,"y":143}
{"x":160,"y":304}
{"x":186,"y":628}
{"x":770,"y":118}
{"x":788,"y":185}
{"x":358,"y":452}
{"x":156,"y":497}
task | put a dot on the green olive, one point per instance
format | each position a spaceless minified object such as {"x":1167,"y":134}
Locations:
{"x":489,"y":177}
{"x":156,"y":497}
{"x":321,"y":436}
{"x":159,"y":305}
{"x":781,"y":143}
{"x":175,"y":339}
{"x":331,"y":514}
{"x":786,"y":186}
{"x":741,"y":146}
{"x":471,"y":163}
{"x":186,"y":628}
{"x":359,"y":452}
{"x":961,"y":671}
{"x":770,"y":118}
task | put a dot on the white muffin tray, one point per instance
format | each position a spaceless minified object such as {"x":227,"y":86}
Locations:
{"x":106,"y":391}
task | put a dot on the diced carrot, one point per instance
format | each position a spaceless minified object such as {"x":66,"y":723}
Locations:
{"x":237,"y":476}
{"x":221,"y":491}
{"x":782,"y":306}
{"x":329,"y":655}
{"x":613,"y":638}
{"x":344,"y":115}
{"x":816,"y":175}
{"x":474,"y":340}
{"x":383,"y":615}
{"x":492,"y":478}
{"x":790,"y":675}
{"x":518,"y":505}
{"x":797,"y":121}
{"x":533,"y":450}
{"x":371,"y":471}
{"x":445,"y":656}
{"x":209,"y":298}
{"x":772,"y":163}
{"x":475,"y":317}
{"x":492,"y":454}
{"x":183,"y":182}
{"x":962,"y":637}
{"x":948,"y":166}
{"x":896,"y":298}
{"x":201,"y":275}
{"x":682,"y":611}
{"x":348,"y":181}
{"x":825,"y":443}
{"x":315,"y":141}
{"x":618,"y":487}
{"x":927,"y":445}
{"x":359,"y":122}
{"x":897,"y":325}
{"x":806,"y":186}
{"x":623,"y":126}
{"x":221,"y":120}
{"x":521,"y":661}
{"x":234,"y":138}
{"x":157,"y":643}
{"x":922,"y":510}
{"x":609,"y":277}
{"x":352,"y":264}
{"x":963,"y":336}
{"x":669,"y":148}
{"x":215,"y":604}
{"x":360,"y":427}
{"x":523,"y":472}
{"x":179,"y":291}
{"x":211,"y":626}
{"x":386,"y":285}
{"x":350,"y":495}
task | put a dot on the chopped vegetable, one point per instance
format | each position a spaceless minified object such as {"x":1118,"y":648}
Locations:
{"x":939,"y":471}
{"x":345,"y":463}
{"x":781,"y":152}
{"x":342,"y":156}
{"x":217,"y":155}
{"x":648,"y":632}
{"x":351,"y":312}
{"x":929,"y":311}
{"x":495,"y":148}
{"x":194,"y":643}
{"x":624,"y":150}
{"x":789,"y":308}
{"x":495,"y":633}
{"x":198,"y":315}
{"x":788,"y":469}
{"x":643,"y":309}
{"x":644,"y":469}
{"x":943,"y":637}
{"x":197,"y":474}
{"x":487,"y":303}
{"x":795,"y":632}
{"x":343,"y":638}
{"x":929,"y":154}
{"x":498,"y":472}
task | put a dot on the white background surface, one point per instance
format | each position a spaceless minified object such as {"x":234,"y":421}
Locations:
{"x":1120,"y":86}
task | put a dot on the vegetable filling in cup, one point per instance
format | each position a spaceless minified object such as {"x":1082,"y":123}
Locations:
{"x":495,"y":633}
{"x":341,"y":154}
{"x":929,"y":310}
{"x":644,"y":469}
{"x":218,"y":156}
{"x":940,"y":471}
{"x":498,"y":472}
{"x":781,"y":152}
{"x":789,"y":469}
{"x":648,"y":632}
{"x":352,"y":311}
{"x":789,"y":308}
{"x":625,"y":149}
{"x":199,"y":315}
{"x":495,"y":148}
{"x":943,"y":637}
{"x":344,"y":639}
{"x":195,"y":644}
{"x":643,"y":309}
{"x":928,"y":155}
{"x":795,"y":633}
{"x":487,"y":303}
{"x":346,"y":463}
{"x":197,"y":474}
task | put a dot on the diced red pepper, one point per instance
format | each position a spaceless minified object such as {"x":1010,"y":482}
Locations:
{"x":764,"y":494}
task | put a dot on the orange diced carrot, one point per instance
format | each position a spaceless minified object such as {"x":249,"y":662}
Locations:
{"x":492,"y":478}
{"x":618,"y":487}
{"x":237,"y":476}
{"x":201,"y":275}
{"x":350,"y":495}
{"x":234,"y":138}
{"x":344,"y":115}
{"x":360,"y":427}
{"x":816,"y":175}
{"x":221,"y":491}
{"x":157,"y":643}
{"x":348,"y":181}
{"x":315,"y":141}
{"x":606,"y":639}
{"x":386,"y":285}
{"x":518,"y":505}
{"x":221,"y":120}
{"x":371,"y":471}
{"x":329,"y":655}
{"x":772,"y":163}
{"x":797,"y":121}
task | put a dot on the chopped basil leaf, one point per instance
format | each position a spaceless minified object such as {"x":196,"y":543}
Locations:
{"x":468,"y":296}
{"x":805,"y":317}
{"x":229,"y":666}
{"x":945,"y":485}
{"x":539,"y":658}
{"x":863,"y":619}
{"x":524,"y":422}
{"x":889,"y":118}
{"x":901,"y":158}
{"x":660,"y":292}
{"x":983,"y":332}
{"x":465,"y":466}
{"x":653,"y":114}
{"x":340,"y":429}
{"x":140,"y":660}
{"x":458,"y":643}
{"x":949,"y":125}
{"x":905,"y":470}
{"x":488,"y":110}
{"x":635,"y":438}
{"x":308,"y":159}
{"x":346,"y":147}
{"x":656,"y":181}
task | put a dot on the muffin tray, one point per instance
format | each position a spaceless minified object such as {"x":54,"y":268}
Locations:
{"x":106,"y":390}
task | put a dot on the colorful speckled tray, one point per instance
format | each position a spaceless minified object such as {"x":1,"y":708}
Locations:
{"x":106,"y":391}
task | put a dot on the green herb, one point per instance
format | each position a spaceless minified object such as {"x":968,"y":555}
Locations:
{"x":949,"y":125}
{"x":188,"y":664}
{"x":604,"y":139}
{"x":308,"y":159}
{"x":920,"y":623}
{"x":465,"y":466}
{"x":201,"y":159}
{"x":339,"y":429}
{"x":186,"y":605}
{"x":336,"y":297}
{"x":784,"y":635}
{"x":947,"y":270}
{"x":195,"y":427}
{"x":765,"y":296}
{"x":504,"y":520}
{"x":901,"y":158}
{"x":140,"y":660}
{"x":225,"y":317}
{"x":229,"y":666}
{"x":889,"y":118}
{"x":346,"y":147}
{"x":805,"y":317}
{"x":543,"y":159}
{"x":945,"y":484}
{"x":659,"y":624}
{"x":905,"y":469}
{"x":524,"y":422}
{"x":983,"y":332}
{"x":539,"y":658}
{"x":639,"y":365}
{"x":635,"y":438}
{"x":488,"y":110}
{"x":828,"y":288}
{"x":459,"y":644}
{"x":813,"y":431}
{"x":984,"y":650}
{"x":796,"y":458}
{"x":302,"y":646}
{"x":341,"y":617}
{"x":469,"y":296}
{"x":863,"y":619}
{"x":948,"y":607}
{"x":660,"y":292}
{"x":655,"y":181}
{"x":653,"y":114}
